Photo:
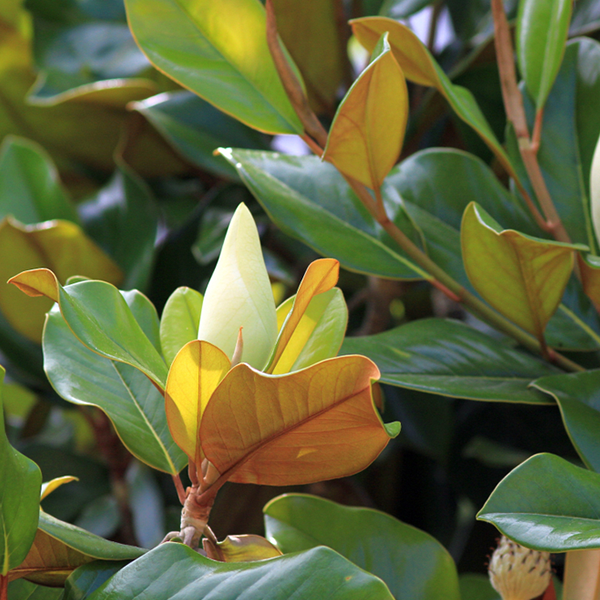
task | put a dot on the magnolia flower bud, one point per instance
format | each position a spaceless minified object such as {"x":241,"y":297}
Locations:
{"x":239,"y":295}
{"x":518,"y":573}
{"x":595,"y":191}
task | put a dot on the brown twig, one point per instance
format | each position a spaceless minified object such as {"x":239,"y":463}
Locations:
{"x":433,"y":25}
{"x":515,"y":112}
{"x":180,"y":489}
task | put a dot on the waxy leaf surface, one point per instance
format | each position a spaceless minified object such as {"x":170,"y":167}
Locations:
{"x":542,"y":29}
{"x":179,"y":321}
{"x":450,"y":358}
{"x":194,"y":375}
{"x":315,"y":424}
{"x":578,"y":396}
{"x":367,"y":132}
{"x":89,"y":577}
{"x":30,"y":188}
{"x":99,"y":316}
{"x":411,"y":562}
{"x":547,"y":503}
{"x":174,"y":570}
{"x":20,"y":589}
{"x":20,"y":483}
{"x":319,"y":333}
{"x":58,"y":245}
{"x":419,"y":66}
{"x":529,"y":274}
{"x":123,"y":393}
{"x":320,"y":277}
{"x":224,"y":60}
{"x":59,"y":548}
{"x":241,"y":548}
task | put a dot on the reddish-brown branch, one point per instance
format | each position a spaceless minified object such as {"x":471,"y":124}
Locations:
{"x":179,"y":487}
{"x":3,"y":587}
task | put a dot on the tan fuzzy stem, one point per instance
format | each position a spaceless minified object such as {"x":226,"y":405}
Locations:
{"x":194,"y":517}
{"x":582,"y":575}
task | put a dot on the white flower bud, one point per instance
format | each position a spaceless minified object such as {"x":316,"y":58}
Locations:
{"x":595,"y":191}
{"x":239,"y":295}
{"x":518,"y":573}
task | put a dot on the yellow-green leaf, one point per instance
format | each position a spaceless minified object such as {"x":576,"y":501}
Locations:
{"x":58,"y":245}
{"x":50,"y":486}
{"x":589,"y":267}
{"x":241,"y":548}
{"x":320,"y":277}
{"x":311,"y":425}
{"x":419,"y":66}
{"x":194,"y":375}
{"x":520,"y":276}
{"x":368,"y":130}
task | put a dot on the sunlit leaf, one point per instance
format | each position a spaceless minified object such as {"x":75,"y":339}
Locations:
{"x":542,"y":29}
{"x":548,"y":504}
{"x":367,"y":133}
{"x":225,"y":61}
{"x":319,"y":278}
{"x":530,"y":274}
{"x":124,"y":394}
{"x":411,"y":562}
{"x":179,"y":321}
{"x":50,"y":486}
{"x":241,"y":548}
{"x":315,"y":424}
{"x":59,"y":548}
{"x":419,"y":66}
{"x":20,"y":480}
{"x":194,"y":375}
{"x":101,"y":319}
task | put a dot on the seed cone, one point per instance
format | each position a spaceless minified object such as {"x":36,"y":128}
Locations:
{"x":518,"y":573}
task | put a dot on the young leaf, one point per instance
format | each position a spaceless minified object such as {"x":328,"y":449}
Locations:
{"x":315,"y":424}
{"x":174,"y":570}
{"x":100,"y":318}
{"x":547,"y":503}
{"x":179,"y":321}
{"x":241,"y":548}
{"x":411,"y":562}
{"x":220,"y":53}
{"x":194,"y":375}
{"x":450,"y":358}
{"x":124,"y":394}
{"x":530,"y":274}
{"x":20,"y":484}
{"x":367,"y":132}
{"x":53,"y":484}
{"x":419,"y":66}
{"x":58,"y":245}
{"x":542,"y":28}
{"x":578,"y":397}
{"x":319,"y":278}
{"x":239,"y":295}
{"x":319,"y":333}
{"x":59,"y":548}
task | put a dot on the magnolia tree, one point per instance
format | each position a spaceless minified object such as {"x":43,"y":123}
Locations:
{"x":228,"y":386}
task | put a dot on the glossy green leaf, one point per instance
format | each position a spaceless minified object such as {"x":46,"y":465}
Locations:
{"x":419,"y":66}
{"x":59,"y":548}
{"x":452,"y":359}
{"x":547,"y":503}
{"x":101,"y":319}
{"x":20,"y":589}
{"x":475,"y":586}
{"x":311,"y":425}
{"x":89,"y":577}
{"x":195,"y":129}
{"x":176,"y":570}
{"x":334,"y":223}
{"x":578,"y":397}
{"x":20,"y":483}
{"x":179,"y":321}
{"x":531,"y":273}
{"x":310,"y":31}
{"x":367,"y":132}
{"x":542,"y":29}
{"x":122,"y":218}
{"x":126,"y":395}
{"x":570,"y":131}
{"x":411,"y":562}
{"x":226,"y":61}
{"x":30,"y":188}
